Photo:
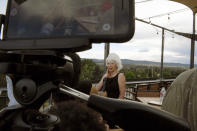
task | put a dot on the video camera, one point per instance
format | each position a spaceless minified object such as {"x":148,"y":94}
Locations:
{"x":36,"y":35}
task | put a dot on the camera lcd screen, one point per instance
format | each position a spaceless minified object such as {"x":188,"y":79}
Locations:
{"x":94,"y":19}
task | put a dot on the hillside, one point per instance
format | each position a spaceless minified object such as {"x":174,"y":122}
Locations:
{"x":148,"y":63}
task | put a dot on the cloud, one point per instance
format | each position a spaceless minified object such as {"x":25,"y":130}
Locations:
{"x":97,"y":52}
{"x":3,"y":6}
{"x":178,"y":44}
{"x":143,"y":50}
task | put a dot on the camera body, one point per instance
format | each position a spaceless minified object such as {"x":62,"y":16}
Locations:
{"x":36,"y":35}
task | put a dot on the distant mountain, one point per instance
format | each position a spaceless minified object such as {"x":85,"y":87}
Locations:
{"x":136,"y":62}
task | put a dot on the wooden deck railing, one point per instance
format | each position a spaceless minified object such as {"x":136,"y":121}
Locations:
{"x":149,"y":88}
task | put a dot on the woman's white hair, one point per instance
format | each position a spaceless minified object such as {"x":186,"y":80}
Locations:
{"x":112,"y":57}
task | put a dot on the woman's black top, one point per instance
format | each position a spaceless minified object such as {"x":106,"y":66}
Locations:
{"x":111,"y":86}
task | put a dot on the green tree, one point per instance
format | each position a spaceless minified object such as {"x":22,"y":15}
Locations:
{"x":167,"y":73}
{"x":90,"y":71}
{"x":97,"y":74}
{"x":130,"y":75}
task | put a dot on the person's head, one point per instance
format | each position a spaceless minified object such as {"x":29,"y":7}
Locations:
{"x":113,"y":62}
{"x":75,"y":116}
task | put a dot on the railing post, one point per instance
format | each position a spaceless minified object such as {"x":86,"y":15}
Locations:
{"x":162,"y":52}
{"x":106,"y":52}
{"x":193,"y":44}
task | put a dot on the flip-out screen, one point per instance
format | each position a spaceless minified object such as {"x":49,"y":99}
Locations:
{"x":94,"y":19}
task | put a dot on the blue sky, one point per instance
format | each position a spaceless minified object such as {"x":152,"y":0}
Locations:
{"x":146,"y":43}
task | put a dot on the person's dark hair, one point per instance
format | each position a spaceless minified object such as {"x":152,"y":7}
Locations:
{"x":76,"y":116}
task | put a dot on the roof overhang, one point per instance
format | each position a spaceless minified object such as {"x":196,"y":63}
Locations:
{"x":192,"y":4}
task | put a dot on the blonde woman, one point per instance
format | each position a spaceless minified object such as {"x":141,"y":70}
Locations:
{"x":113,"y":82}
